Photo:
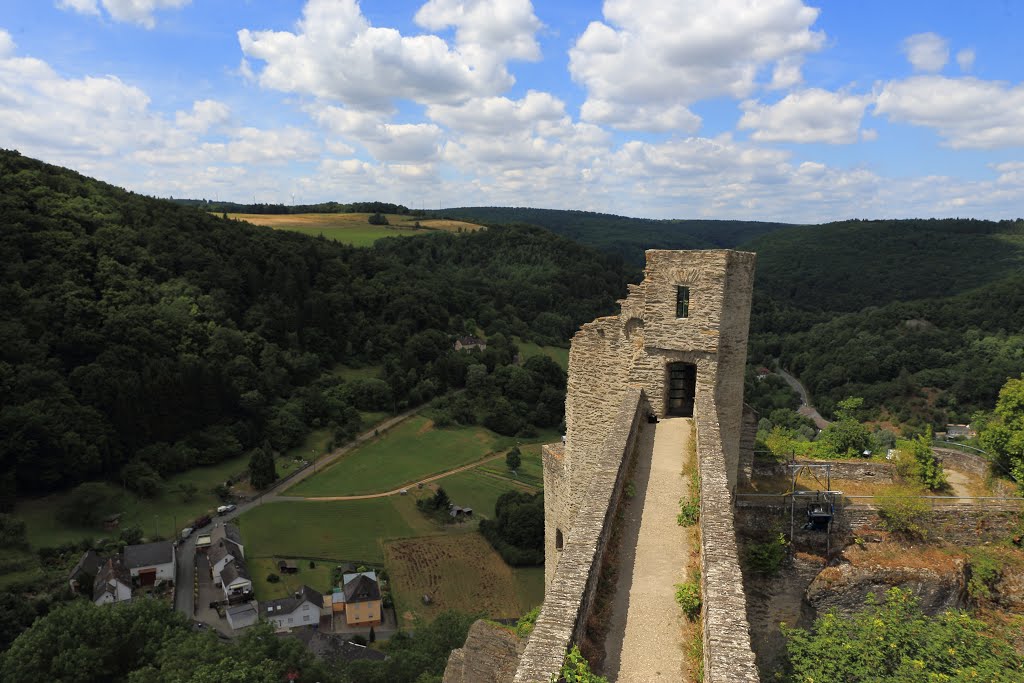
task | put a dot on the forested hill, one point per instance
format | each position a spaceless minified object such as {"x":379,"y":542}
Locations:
{"x":854,"y":264}
{"x":138,"y":330}
{"x":620,"y":234}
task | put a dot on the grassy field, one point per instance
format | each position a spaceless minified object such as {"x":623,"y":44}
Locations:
{"x":349,"y":374}
{"x":318,"y":578}
{"x":556,"y":353}
{"x":163,"y":515}
{"x":411,"y":451}
{"x":530,"y":470}
{"x":352,"y":228}
{"x":458,"y":572}
{"x":350,"y":530}
{"x":479,"y":490}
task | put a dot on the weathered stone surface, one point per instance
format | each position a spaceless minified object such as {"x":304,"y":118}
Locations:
{"x":845,"y":586}
{"x":868,"y":471}
{"x":617,"y":366}
{"x":490,"y":655}
{"x":1009,"y":590}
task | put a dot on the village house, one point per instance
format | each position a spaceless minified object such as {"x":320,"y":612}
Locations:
{"x":227,"y":532}
{"x":358,"y":600}
{"x":235,"y":579}
{"x":150,"y":563}
{"x":84,"y":573}
{"x":469,"y":343}
{"x":113,"y":583}
{"x":301,"y":609}
{"x":223,"y":549}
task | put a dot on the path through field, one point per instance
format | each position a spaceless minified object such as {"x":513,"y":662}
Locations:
{"x":401,"y":488}
{"x":644,"y":642}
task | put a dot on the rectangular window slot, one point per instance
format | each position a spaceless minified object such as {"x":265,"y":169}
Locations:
{"x":682,"y":302}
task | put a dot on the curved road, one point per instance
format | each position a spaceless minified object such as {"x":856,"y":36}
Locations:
{"x":805,"y":409}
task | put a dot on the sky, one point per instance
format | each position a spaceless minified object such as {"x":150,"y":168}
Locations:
{"x":732,"y":109}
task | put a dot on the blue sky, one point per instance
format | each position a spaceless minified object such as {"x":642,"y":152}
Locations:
{"x":769,"y":109}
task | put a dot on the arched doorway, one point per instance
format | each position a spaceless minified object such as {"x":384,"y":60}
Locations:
{"x":682,"y":388}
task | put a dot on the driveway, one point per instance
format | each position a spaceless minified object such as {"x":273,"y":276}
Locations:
{"x":209,"y":593}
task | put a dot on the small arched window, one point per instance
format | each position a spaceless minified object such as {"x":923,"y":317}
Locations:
{"x":558,"y":539}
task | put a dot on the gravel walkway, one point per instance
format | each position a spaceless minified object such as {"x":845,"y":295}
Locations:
{"x":644,"y":640}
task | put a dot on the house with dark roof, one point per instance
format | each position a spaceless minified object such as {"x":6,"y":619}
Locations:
{"x":358,"y":599}
{"x":150,"y":563}
{"x":113,"y":583}
{"x":469,"y":343}
{"x":303,"y":608}
{"x":235,"y":578}
{"x":85,"y":571}
{"x":227,"y":532}
{"x":220,"y":554}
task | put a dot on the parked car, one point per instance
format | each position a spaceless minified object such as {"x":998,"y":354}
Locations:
{"x":186,"y":532}
{"x":223,"y":509}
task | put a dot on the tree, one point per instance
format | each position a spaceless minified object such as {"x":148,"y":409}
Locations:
{"x":12,"y":532}
{"x":1003,"y":434}
{"x":141,"y":478}
{"x":377,"y":219}
{"x":846,"y":437}
{"x":86,"y":505}
{"x":894,"y":642}
{"x":187,"y":490}
{"x":916,"y":460}
{"x":513,"y":458}
{"x":262,"y":469}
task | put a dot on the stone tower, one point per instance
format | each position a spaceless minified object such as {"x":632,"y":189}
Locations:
{"x":681,"y":336}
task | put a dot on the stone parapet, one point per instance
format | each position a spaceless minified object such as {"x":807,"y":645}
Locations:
{"x":570,"y":594}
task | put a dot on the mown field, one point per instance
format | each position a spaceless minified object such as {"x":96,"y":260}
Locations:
{"x":352,"y":228}
{"x":458,"y":572}
{"x":409,"y":452}
{"x":556,"y":353}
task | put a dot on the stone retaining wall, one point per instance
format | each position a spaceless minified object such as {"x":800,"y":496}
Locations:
{"x":569,"y":597}
{"x":963,"y":462}
{"x":870,"y":471}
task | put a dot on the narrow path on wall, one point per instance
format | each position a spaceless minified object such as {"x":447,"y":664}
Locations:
{"x":644,"y":640}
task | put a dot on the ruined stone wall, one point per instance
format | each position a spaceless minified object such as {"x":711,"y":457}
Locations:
{"x":613,"y":361}
{"x":748,"y":441}
{"x":867,"y":471}
{"x":569,"y":595}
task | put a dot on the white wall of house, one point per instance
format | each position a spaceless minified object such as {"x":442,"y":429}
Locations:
{"x":239,"y":585}
{"x":219,"y":567}
{"x":164,"y":572}
{"x":306,"y":614}
{"x":123,"y":593}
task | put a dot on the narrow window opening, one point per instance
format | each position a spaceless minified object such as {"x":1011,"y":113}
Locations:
{"x":558,"y":539}
{"x":682,"y":302}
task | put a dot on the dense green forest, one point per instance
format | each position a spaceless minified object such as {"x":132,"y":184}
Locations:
{"x":139,"y":331}
{"x":622,"y":235}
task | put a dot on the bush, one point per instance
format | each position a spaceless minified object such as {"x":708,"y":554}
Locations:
{"x":576,"y":669}
{"x":905,"y":515}
{"x":689,"y":512}
{"x":766,"y":558}
{"x":312,"y":564}
{"x":524,"y":626}
{"x":273,"y":578}
{"x":985,"y":571}
{"x":688,"y":597}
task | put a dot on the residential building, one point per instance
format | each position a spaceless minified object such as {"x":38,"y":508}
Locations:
{"x":358,"y":599}
{"x":303,"y":608}
{"x":150,"y":563}
{"x":84,"y":573}
{"x":220,"y":554}
{"x":113,"y":583}
{"x":235,"y":579}
{"x":242,"y":616}
{"x":470,"y":343}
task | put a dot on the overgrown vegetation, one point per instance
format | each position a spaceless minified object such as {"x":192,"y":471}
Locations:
{"x":766,"y":558}
{"x":905,"y":514}
{"x":894,"y":642}
{"x":576,"y":669}
{"x":688,"y":596}
{"x":1002,"y":433}
{"x":524,"y":626}
{"x":916,"y":462}
{"x":517,"y":530}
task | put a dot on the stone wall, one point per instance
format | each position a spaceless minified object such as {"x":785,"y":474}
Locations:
{"x":570,"y":594}
{"x":963,"y":462}
{"x":869,"y":471}
{"x":618,"y":371}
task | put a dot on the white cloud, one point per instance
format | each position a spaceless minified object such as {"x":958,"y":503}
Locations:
{"x":966,"y":112}
{"x":503,"y":29}
{"x":811,"y":115}
{"x":965,"y":59}
{"x":205,"y":114}
{"x":786,"y":73}
{"x":336,"y":54}
{"x":6,"y":43}
{"x":407,"y":142}
{"x":667,"y":55}
{"x":926,"y":51}
{"x":499,"y":115}
{"x":134,"y":11}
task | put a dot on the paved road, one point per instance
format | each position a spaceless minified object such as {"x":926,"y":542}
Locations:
{"x":806,"y":409}
{"x":186,"y":558}
{"x":645,"y":634}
